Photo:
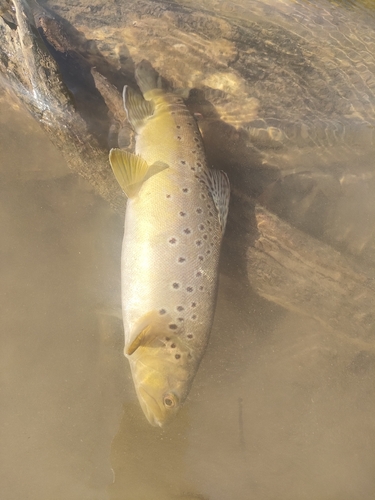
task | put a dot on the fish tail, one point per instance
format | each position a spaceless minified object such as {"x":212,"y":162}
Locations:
{"x":147,"y":77}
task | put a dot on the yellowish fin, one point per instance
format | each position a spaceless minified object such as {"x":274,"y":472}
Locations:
{"x":138,"y":110}
{"x":131,"y":171}
{"x":148,"y":329}
{"x":143,"y":338}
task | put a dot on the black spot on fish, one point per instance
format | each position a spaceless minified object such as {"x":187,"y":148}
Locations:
{"x":185,"y":190}
{"x":190,"y":336}
{"x":162,"y":311}
{"x":200,"y":257}
{"x":173,"y":327}
{"x":201,"y":288}
{"x":198,"y":164}
{"x":173,"y":346}
{"x":187,"y":231}
{"x":199,"y":210}
{"x":198,"y":243}
{"x":201,"y":227}
{"x":180,"y":319}
{"x":180,"y":308}
{"x":183,"y":162}
{"x":178,"y":126}
{"x":168,"y":196}
{"x":199,"y":274}
{"x":193,"y":304}
{"x":196,"y":139}
{"x":176,"y":285}
{"x":181,"y":259}
{"x":167,"y":339}
{"x":179,"y":137}
{"x":208,"y":252}
{"x":205,"y":236}
{"x":178,"y":356}
{"x":189,"y":289}
{"x":203,"y":197}
{"x":192,"y":168}
{"x":173,"y":241}
{"x":194,"y":316}
{"x":182,"y":214}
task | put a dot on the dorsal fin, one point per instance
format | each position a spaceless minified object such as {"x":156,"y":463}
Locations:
{"x":138,"y":110}
{"x":219,"y":187}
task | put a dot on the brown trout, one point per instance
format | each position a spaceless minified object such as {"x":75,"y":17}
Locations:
{"x":175,"y":219}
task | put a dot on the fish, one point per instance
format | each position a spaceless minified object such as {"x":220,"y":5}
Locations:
{"x":175,"y":220}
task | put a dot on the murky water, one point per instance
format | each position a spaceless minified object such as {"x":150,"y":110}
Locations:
{"x":62,"y":381}
{"x":281,"y":408}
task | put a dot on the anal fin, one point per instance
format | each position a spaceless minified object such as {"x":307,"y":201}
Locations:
{"x":131,"y":171}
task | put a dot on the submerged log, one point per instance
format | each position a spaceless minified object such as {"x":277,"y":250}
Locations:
{"x":283,"y":264}
{"x":30,"y":72}
{"x":302,"y":274}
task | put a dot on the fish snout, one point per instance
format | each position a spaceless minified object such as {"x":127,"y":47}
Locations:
{"x":159,"y":410}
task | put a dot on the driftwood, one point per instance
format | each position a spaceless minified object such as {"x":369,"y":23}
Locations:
{"x":283,"y":264}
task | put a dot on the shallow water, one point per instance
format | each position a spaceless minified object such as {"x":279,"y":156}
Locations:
{"x":280,"y":409}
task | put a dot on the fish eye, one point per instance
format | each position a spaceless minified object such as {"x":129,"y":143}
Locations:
{"x":169,"y":401}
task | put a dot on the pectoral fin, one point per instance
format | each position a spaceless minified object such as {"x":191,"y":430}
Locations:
{"x":218,"y":184}
{"x":146,"y":331}
{"x":131,"y":171}
{"x":138,"y":110}
{"x":143,"y":338}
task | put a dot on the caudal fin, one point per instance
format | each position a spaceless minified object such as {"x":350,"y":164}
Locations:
{"x":147,"y":77}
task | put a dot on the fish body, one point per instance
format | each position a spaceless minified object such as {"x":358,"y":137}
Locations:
{"x":174,"y":224}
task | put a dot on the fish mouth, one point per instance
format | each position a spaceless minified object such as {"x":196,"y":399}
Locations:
{"x":155,"y":413}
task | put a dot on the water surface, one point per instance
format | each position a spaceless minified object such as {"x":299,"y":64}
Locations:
{"x":281,"y":408}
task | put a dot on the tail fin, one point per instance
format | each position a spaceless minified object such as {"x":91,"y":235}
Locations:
{"x":147,"y":77}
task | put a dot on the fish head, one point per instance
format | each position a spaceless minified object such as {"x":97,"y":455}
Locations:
{"x":162,"y":380}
